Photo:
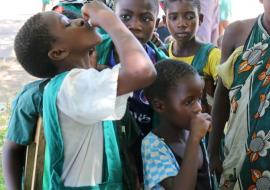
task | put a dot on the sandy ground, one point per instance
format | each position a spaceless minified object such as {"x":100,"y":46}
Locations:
{"x":12,"y":78}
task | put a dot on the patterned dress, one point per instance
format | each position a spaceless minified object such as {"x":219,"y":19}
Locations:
{"x":247,"y":140}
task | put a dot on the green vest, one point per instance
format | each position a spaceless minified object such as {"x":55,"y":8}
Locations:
{"x":54,"y":152}
{"x":104,"y":49}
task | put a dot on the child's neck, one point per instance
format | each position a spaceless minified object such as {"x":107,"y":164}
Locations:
{"x":170,"y":133}
{"x":185,"y":49}
{"x":266,"y":23}
{"x":74,"y":61}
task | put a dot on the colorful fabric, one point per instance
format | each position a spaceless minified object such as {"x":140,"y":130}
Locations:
{"x":26,"y":108}
{"x":70,"y":162}
{"x":247,"y":141}
{"x":72,"y":6}
{"x":159,"y":162}
{"x":225,"y":70}
{"x":205,"y":60}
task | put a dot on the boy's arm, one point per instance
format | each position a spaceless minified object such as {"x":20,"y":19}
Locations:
{"x":187,"y":176}
{"x":137,"y":70}
{"x":220,"y":115}
{"x":13,"y":162}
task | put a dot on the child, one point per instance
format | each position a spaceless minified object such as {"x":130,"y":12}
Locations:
{"x":243,"y":93}
{"x":26,"y":109}
{"x":183,"y":18}
{"x":140,"y":17}
{"x":173,"y":154}
{"x":75,"y":99}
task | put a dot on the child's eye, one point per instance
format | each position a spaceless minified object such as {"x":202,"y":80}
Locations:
{"x":147,"y":19}
{"x":172,"y":17}
{"x":125,"y":18}
{"x":192,"y":101}
{"x":190,"y":16}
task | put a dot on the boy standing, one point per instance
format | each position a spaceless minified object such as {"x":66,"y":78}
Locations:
{"x":80,"y":106}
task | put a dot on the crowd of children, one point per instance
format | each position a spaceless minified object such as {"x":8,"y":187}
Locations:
{"x":121,"y":113}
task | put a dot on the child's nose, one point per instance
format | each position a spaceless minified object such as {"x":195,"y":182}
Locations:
{"x":197,"y":107}
{"x":134,"y":24}
{"x":181,"y":22}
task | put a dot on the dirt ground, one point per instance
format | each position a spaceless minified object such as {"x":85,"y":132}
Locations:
{"x":12,"y":78}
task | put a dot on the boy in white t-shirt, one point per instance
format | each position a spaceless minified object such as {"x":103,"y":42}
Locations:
{"x":79,"y":102}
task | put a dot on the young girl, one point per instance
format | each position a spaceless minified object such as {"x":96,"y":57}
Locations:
{"x":173,"y":154}
{"x":183,"y":19}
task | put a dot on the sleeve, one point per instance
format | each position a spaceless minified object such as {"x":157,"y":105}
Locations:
{"x":26,"y":109}
{"x":226,"y":70}
{"x":214,"y":60}
{"x":90,"y":96}
{"x":158,"y":163}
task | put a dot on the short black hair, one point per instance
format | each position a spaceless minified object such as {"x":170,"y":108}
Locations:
{"x":32,"y":44}
{"x":195,"y":3}
{"x":169,"y":73}
{"x":154,"y":3}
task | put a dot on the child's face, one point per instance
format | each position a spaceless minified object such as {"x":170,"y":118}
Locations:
{"x":74,"y":36}
{"x":184,"y":101}
{"x":182,"y":20}
{"x":139,"y":16}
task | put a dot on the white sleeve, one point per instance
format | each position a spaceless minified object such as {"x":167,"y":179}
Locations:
{"x":89,"y":96}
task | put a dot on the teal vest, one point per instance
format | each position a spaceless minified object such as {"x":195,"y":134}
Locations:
{"x":54,"y":152}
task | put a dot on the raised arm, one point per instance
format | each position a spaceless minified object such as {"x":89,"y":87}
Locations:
{"x":187,"y":177}
{"x":137,"y":70}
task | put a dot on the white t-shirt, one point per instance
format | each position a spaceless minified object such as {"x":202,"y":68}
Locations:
{"x":85,"y":99}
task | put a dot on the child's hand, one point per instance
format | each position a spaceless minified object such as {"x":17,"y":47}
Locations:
{"x":200,"y":125}
{"x":97,"y":12}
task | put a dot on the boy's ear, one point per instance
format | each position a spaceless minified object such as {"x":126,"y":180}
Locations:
{"x":158,"y":105}
{"x":200,"y":19}
{"x":58,"y":54}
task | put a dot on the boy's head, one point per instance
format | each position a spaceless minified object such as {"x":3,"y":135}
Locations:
{"x":183,"y":18}
{"x":140,"y":16}
{"x":49,"y":43}
{"x":176,"y":92}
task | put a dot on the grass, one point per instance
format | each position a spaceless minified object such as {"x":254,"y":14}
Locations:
{"x":4,"y":117}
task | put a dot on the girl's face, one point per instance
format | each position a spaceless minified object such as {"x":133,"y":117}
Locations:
{"x":139,"y":16}
{"x":184,"y":101}
{"x":183,"y":20}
